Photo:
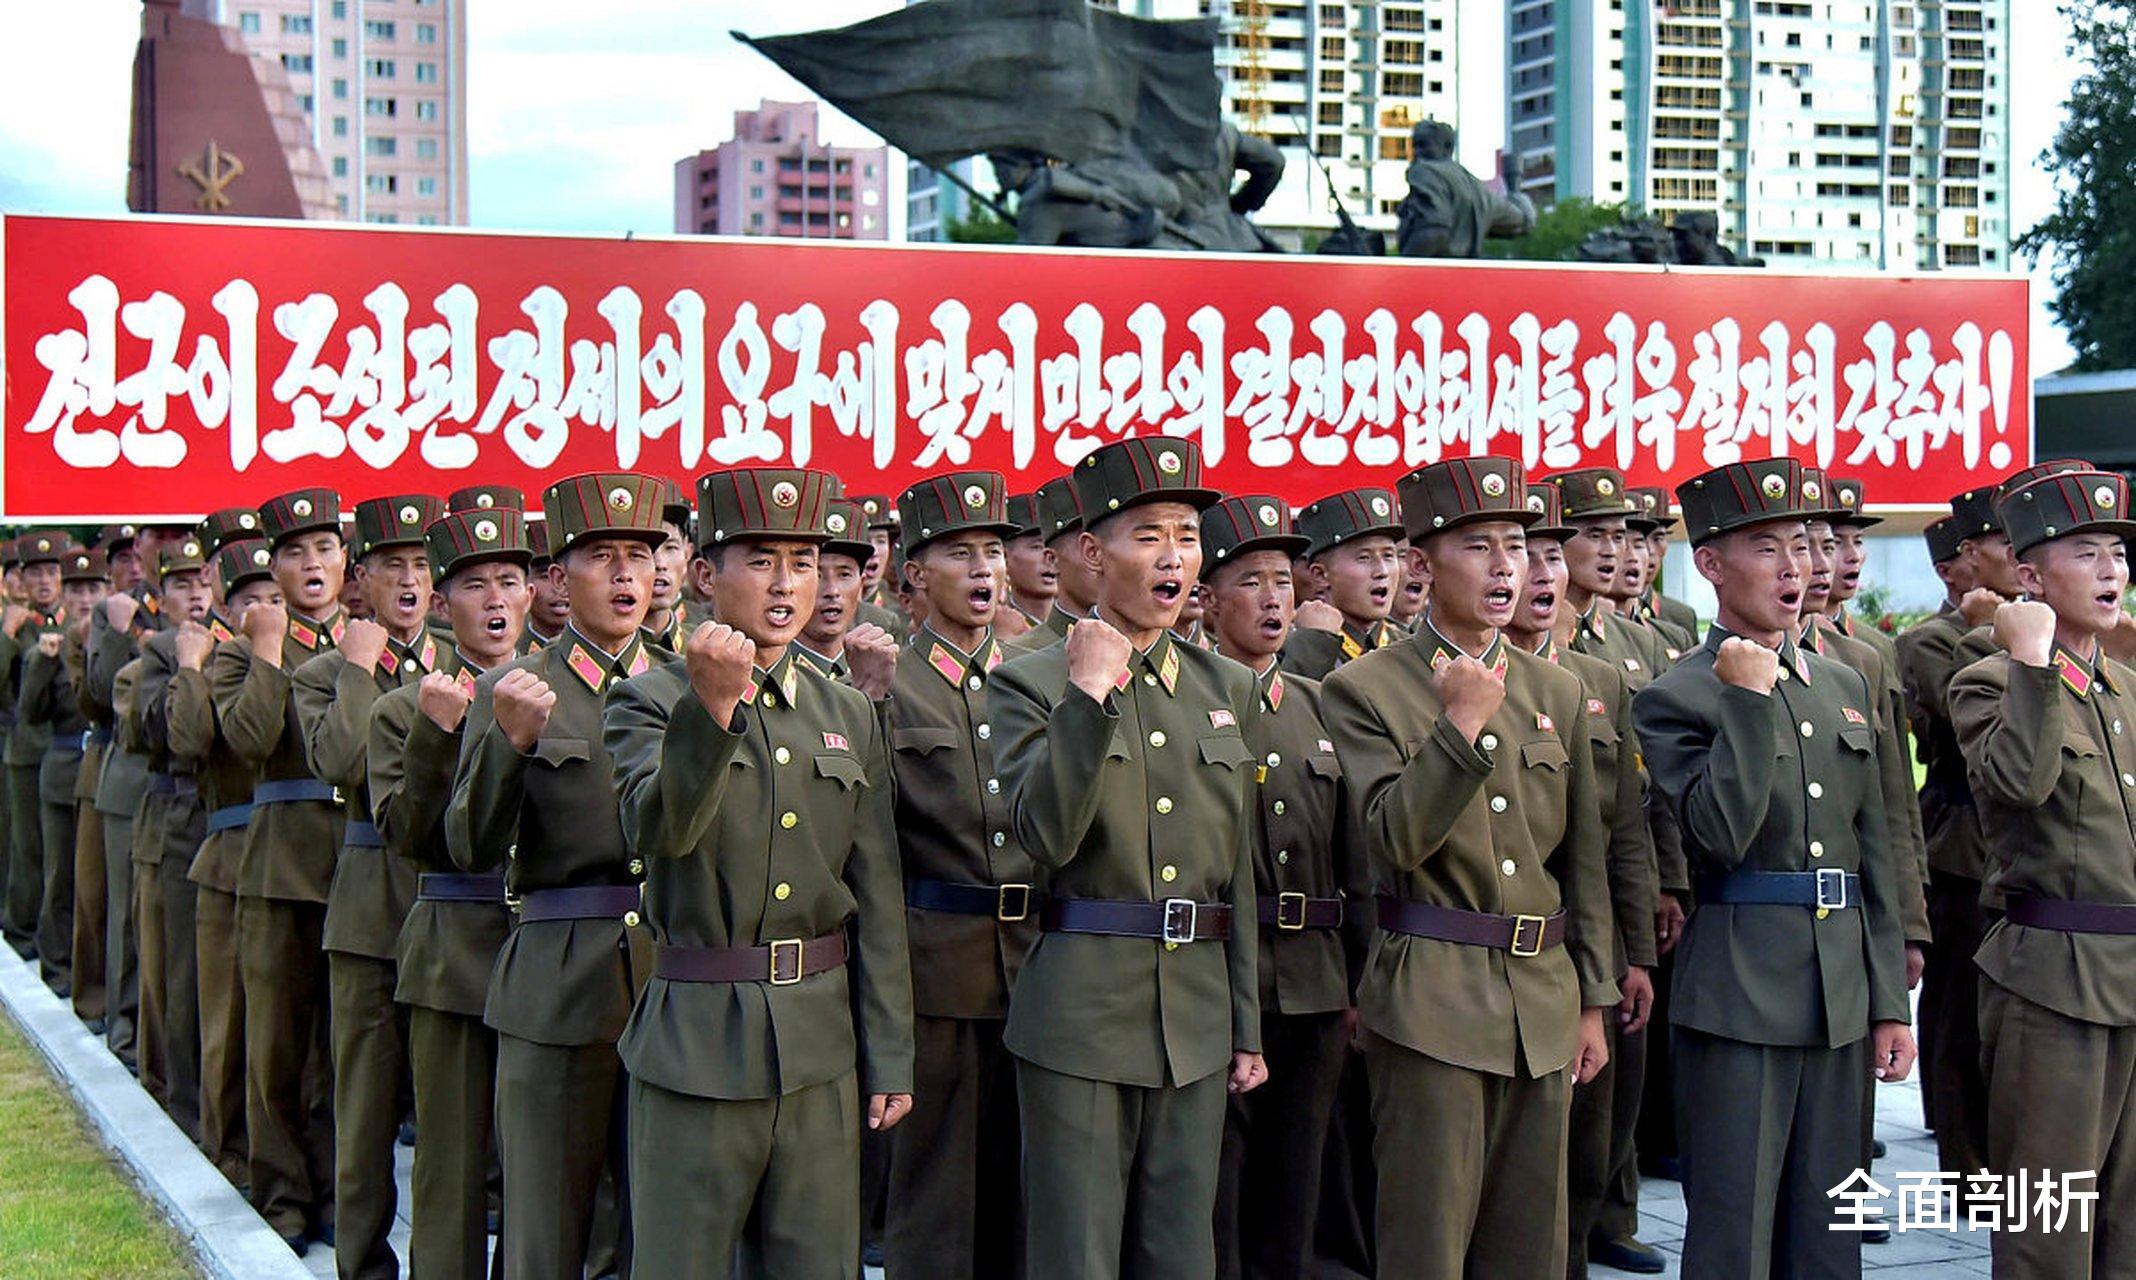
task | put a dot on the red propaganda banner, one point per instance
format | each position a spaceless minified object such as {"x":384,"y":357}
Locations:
{"x":162,"y":367}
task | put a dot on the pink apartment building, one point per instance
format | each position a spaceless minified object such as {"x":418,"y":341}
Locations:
{"x":775,"y":178}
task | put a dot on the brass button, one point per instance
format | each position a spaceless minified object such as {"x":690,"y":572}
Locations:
{"x":975,"y":684}
{"x":2128,"y":779}
{"x":1816,"y":789}
{"x":1498,"y":804}
{"x":1000,"y":839}
{"x":2117,"y":726}
{"x":1168,"y":873}
{"x":782,"y":755}
{"x":637,"y":866}
{"x":1509,"y":866}
{"x":1808,"y":728}
{"x":1783,"y":671}
{"x":769,"y":699}
{"x":993,"y":786}
{"x":1149,"y":680}
{"x":630,"y":919}
{"x":1278,"y":807}
{"x":1164,"y":804}
{"x":1275,"y":760}
{"x":1282,"y":857}
{"x":789,"y":819}
{"x":782,"y":891}
{"x":1817,"y":848}
{"x":1489,"y":742}
{"x":1822,"y":912}
{"x":1156,"y":737}
{"x":985,"y":731}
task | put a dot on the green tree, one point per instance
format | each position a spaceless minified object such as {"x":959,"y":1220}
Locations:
{"x":981,"y":226}
{"x":1559,"y":230}
{"x":2091,"y":235}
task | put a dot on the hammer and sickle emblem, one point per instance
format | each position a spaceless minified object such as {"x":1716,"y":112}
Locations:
{"x":213,"y":174}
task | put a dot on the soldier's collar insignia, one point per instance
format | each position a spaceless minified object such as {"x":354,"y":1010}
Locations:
{"x":1168,"y":669}
{"x":1591,"y":622}
{"x":427,"y":656}
{"x":993,"y":652}
{"x":387,"y":662}
{"x":1809,"y":639}
{"x":1383,"y":634}
{"x":639,"y":663}
{"x":782,"y":678}
{"x":1547,"y":650}
{"x":2075,"y":672}
{"x":1350,"y":647}
{"x":466,"y":679}
{"x":303,"y":634}
{"x":591,"y":671}
{"x":1126,"y":677}
{"x":154,"y":605}
{"x":945,"y":663}
{"x":1852,"y":716}
{"x":1274,"y":695}
{"x":217,"y":629}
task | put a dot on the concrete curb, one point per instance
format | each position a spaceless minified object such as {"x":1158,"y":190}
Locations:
{"x":227,"y":1238}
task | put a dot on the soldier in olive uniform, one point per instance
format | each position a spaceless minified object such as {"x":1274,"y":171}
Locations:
{"x":28,"y":740}
{"x":243,"y":573}
{"x":1473,"y":793}
{"x":879,"y":582}
{"x":759,"y":794}
{"x":1129,"y":782}
{"x":1659,"y":524}
{"x":449,"y":941}
{"x":551,"y":610}
{"x":668,"y":621}
{"x":535,"y":794}
{"x":1790,"y":980}
{"x":1636,"y":581}
{"x":955,"y":1208}
{"x":1597,"y":555}
{"x":1060,"y":518}
{"x":286,"y":868}
{"x":1351,"y":561}
{"x":50,"y":697}
{"x":2046,"y":728}
{"x":1033,"y":578}
{"x":335,"y":693}
{"x":1269,"y":1188}
{"x":839,"y":561}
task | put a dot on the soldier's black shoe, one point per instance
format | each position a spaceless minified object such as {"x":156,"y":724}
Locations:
{"x":407,"y":1133}
{"x":1667,"y":1168}
{"x":298,"y":1244}
{"x":97,"y":1027}
{"x":1878,"y":1234}
{"x":1626,"y":1253}
{"x":1877,"y":1148}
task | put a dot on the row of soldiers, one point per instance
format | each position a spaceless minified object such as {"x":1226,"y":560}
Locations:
{"x":1140,"y":856}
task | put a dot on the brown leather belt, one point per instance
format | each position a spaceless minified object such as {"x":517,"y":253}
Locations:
{"x":2071,"y":917}
{"x":1521,"y":935}
{"x":1173,"y":920}
{"x":581,"y":902}
{"x":1291,"y":912}
{"x":781,"y":963}
{"x":451,"y":886}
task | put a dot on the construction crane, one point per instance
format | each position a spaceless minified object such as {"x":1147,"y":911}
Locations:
{"x":1250,"y":80}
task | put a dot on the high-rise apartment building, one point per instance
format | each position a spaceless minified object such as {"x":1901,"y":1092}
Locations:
{"x":1852,"y":133}
{"x":776,"y":178}
{"x":932,"y":202}
{"x":385,"y":85}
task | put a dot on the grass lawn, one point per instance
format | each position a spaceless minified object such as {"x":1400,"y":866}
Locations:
{"x":66,"y":1211}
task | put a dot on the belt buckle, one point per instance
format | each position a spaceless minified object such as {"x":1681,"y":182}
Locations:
{"x":1521,"y":926}
{"x":339,"y":799}
{"x":1179,"y":914}
{"x":1017,"y":894}
{"x":1285,"y":919}
{"x":1831,"y":888}
{"x":790,"y":973}
{"x":512,"y":902}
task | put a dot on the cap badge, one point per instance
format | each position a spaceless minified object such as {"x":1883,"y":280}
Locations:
{"x":1267,"y":516}
{"x":783,"y":494}
{"x":1810,"y":491}
{"x":1848,"y":498}
{"x":190,"y":550}
{"x":1494,"y":485}
{"x":1379,"y":507}
{"x":975,"y":496}
{"x":485,"y":531}
{"x":1168,"y":463}
{"x":619,"y":498}
{"x":246,"y":521}
{"x":2104,"y":497}
{"x":835,"y":522}
{"x":1535,"y":503}
{"x":1774,"y":485}
{"x":872,"y":507}
{"x":44,"y":544}
{"x":1605,"y":486}
{"x":259,"y":555}
{"x":485,"y":501}
{"x":410,"y":513}
{"x":81,"y":562}
{"x":302,"y":506}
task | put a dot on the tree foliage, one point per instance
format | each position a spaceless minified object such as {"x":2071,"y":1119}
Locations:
{"x":981,"y":225}
{"x":1559,"y":230}
{"x":2091,"y":235}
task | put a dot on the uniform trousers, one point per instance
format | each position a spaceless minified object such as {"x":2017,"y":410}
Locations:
{"x":153,"y":972}
{"x":222,"y":1033}
{"x":559,"y":1124}
{"x":370,"y":1043}
{"x":750,"y":1187}
{"x":288,"y":1072}
{"x":89,"y":888}
{"x":1954,"y":1090}
{"x":1766,"y":1131}
{"x":1471,"y":1168}
{"x":2061,"y":1100}
{"x":55,"y":914}
{"x":1601,"y":1152}
{"x":122,"y":954}
{"x":1268,"y":1185}
{"x":955,"y":1192}
{"x":1119,"y":1180}
{"x":25,"y":860}
{"x":181,"y":990}
{"x":454,"y":1058}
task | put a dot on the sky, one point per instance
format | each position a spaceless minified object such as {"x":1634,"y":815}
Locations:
{"x":578,"y":112}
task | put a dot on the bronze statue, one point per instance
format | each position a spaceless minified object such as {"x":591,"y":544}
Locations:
{"x":1449,"y":212}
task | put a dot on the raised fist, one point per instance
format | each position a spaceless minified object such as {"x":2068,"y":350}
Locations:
{"x":363,"y":643}
{"x":1978,"y":606}
{"x":120,"y":608}
{"x":442,"y":699}
{"x":264,"y":623}
{"x":1318,"y":615}
{"x":1470,"y":692}
{"x":1097,"y":657}
{"x":48,"y":643}
{"x":2025,"y":628}
{"x":523,"y":703}
{"x":1746,"y":664}
{"x":192,"y":644}
{"x":12,"y":619}
{"x":721,"y":663}
{"x":872,"y":654}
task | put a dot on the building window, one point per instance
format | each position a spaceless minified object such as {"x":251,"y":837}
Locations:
{"x":426,"y":33}
{"x":378,"y":31}
{"x":339,"y":9}
{"x":381,"y":107}
{"x":341,"y":90}
{"x":426,"y":110}
{"x":384,"y":184}
{"x":426,"y":148}
{"x":426,"y":73}
{"x":249,"y":23}
{"x":756,"y":165}
{"x":379,"y":68}
{"x":383,"y":219}
{"x":381,"y":146}
{"x":297,"y":63}
{"x":341,"y":204}
{"x":296,"y":24}
{"x":341,"y":166}
{"x":341,"y":126}
{"x":304,"y":103}
{"x":756,"y":193}
{"x":426,"y":186}
{"x":340,"y":48}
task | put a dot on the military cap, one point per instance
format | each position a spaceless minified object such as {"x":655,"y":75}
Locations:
{"x":1137,"y":471}
{"x":181,"y":556}
{"x":1545,"y":500}
{"x":228,"y":523}
{"x":848,"y":527}
{"x":84,"y":564}
{"x":243,"y":560}
{"x":1348,"y":516}
{"x":675,"y":506}
{"x":1817,"y":500}
{"x":881,"y":512}
{"x":11,"y":553}
{"x":2023,"y":476}
{"x":114,"y":536}
{"x":1943,"y":540}
{"x":393,"y":522}
{"x":538,"y":539}
{"x":1850,"y":503}
{"x":1023,"y":513}
{"x":604,"y":504}
{"x":1593,"y":493}
{"x":1238,"y":526}
{"x":2065,"y":503}
{"x":42,"y":546}
{"x":1446,"y":495}
{"x":304,"y":511}
{"x":1060,"y":511}
{"x":1653,"y":513}
{"x":953,"y":502}
{"x":464,"y":539}
{"x":1973,"y":512}
{"x":486,"y":497}
{"x":783,"y":503}
{"x":1739,"y":495}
